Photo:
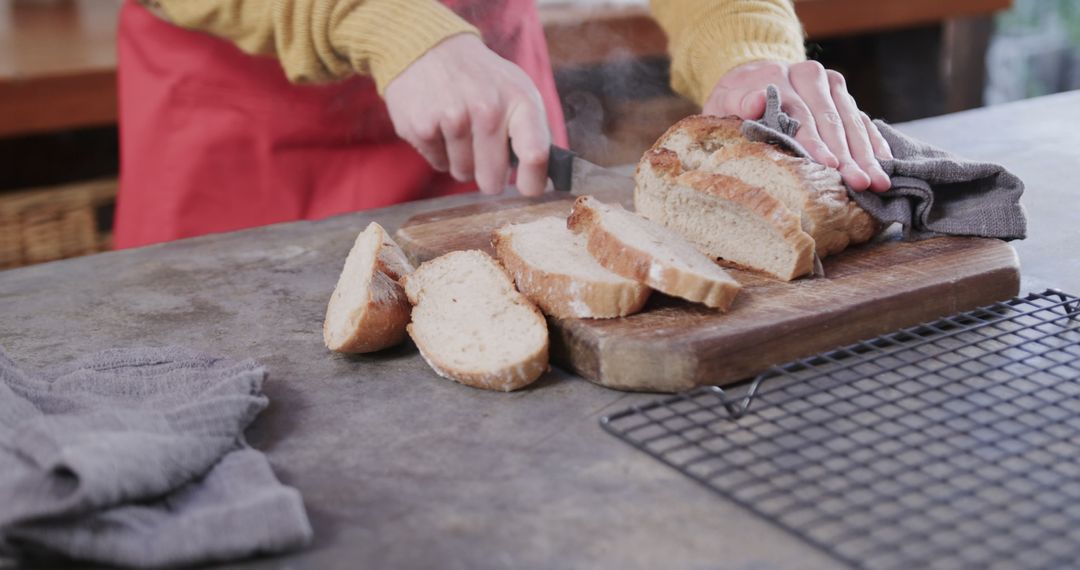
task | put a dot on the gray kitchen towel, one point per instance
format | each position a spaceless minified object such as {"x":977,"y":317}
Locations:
{"x":136,"y":457}
{"x":933,"y":192}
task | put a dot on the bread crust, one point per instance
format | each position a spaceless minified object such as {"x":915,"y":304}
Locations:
{"x":708,"y":131}
{"x":563,"y":296}
{"x":663,"y":161}
{"x":391,"y":259}
{"x":385,"y":310}
{"x":505,"y":379}
{"x":828,"y":215}
{"x":665,"y":164}
{"x":383,"y":322}
{"x":633,"y":263}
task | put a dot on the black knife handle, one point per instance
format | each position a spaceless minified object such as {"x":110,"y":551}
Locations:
{"x":560,"y":167}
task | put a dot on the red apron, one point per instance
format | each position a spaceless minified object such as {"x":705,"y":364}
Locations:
{"x":214,"y":140}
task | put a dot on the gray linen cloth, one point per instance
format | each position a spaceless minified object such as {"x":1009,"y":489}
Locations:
{"x":933,"y":192}
{"x":136,"y":457}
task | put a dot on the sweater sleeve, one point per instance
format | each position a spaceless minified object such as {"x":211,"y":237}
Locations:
{"x":707,"y":38}
{"x":324,"y":40}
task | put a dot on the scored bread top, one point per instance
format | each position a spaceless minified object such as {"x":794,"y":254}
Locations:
{"x":639,"y":249}
{"x":552,"y":267}
{"x":696,"y":137}
{"x":472,"y":325}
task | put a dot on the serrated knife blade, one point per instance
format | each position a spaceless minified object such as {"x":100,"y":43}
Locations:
{"x":571,"y":173}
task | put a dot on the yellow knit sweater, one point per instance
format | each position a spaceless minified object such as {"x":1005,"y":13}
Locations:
{"x":323,"y":40}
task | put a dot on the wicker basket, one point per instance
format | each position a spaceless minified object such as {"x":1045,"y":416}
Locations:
{"x":46,"y":224}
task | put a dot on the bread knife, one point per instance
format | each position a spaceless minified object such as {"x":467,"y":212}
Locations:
{"x":571,"y":173}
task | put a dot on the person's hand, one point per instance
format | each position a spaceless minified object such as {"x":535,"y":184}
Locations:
{"x":460,"y":102}
{"x":833,"y":129}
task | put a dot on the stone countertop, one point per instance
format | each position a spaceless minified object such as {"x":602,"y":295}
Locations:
{"x":400,"y":468}
{"x":1037,"y":140}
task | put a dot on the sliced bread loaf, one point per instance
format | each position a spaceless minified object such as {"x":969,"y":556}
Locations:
{"x":733,"y":222}
{"x":472,"y":326}
{"x":552,"y":267}
{"x":811,"y":191}
{"x":368,"y":309}
{"x":645,"y":251}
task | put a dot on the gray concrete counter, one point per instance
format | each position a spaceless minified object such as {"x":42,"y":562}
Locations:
{"x":400,"y":468}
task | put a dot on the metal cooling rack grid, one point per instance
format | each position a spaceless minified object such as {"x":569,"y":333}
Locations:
{"x":954,"y":444}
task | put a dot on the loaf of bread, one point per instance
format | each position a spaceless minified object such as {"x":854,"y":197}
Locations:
{"x":736,"y":199}
{"x":732,"y":222}
{"x":811,"y":190}
{"x":645,"y":251}
{"x":471,"y":325}
{"x":368,"y":309}
{"x":552,"y":267}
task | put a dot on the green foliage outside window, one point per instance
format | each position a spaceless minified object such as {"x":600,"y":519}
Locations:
{"x":1035,"y":51}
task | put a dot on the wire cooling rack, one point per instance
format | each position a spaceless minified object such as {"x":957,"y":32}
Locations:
{"x":954,"y":444}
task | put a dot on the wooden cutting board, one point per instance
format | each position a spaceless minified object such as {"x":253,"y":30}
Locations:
{"x":673,"y":345}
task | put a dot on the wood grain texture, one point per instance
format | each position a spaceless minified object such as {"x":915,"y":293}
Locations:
{"x":674,"y":345}
{"x":430,"y":235}
{"x":57,"y":65}
{"x":58,"y":103}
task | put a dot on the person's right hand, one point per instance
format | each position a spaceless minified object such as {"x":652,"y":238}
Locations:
{"x":833,"y":129}
{"x":460,"y":103}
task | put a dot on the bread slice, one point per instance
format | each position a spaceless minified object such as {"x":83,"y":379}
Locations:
{"x":368,"y":309}
{"x":552,"y":267}
{"x":472,"y":326}
{"x":733,"y":222}
{"x":650,"y":253}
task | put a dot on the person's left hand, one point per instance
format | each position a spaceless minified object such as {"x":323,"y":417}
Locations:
{"x":463,"y":106}
{"x":833,"y":129}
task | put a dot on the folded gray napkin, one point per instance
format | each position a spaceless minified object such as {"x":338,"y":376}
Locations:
{"x":136,"y":457}
{"x":933,"y":192}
